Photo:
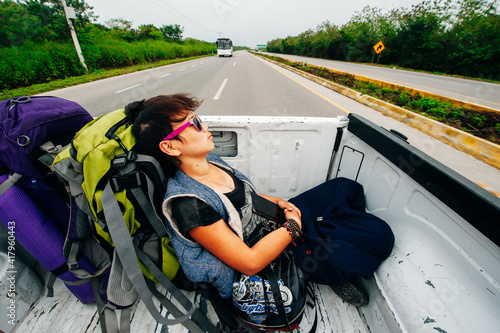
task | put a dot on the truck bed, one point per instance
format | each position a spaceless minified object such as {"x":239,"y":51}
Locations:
{"x":65,"y":313}
{"x":443,"y":274}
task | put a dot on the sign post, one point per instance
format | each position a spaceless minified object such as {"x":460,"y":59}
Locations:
{"x":379,"y":47}
{"x":70,"y":14}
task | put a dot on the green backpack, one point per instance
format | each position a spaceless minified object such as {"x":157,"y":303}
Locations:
{"x":120,"y":193}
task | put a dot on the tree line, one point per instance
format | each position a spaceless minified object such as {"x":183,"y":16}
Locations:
{"x":36,"y":44}
{"x":449,"y":36}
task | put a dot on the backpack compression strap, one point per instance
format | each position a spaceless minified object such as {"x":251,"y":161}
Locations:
{"x":273,"y":281}
{"x":126,"y":252}
{"x":176,"y":293}
{"x":11,"y":181}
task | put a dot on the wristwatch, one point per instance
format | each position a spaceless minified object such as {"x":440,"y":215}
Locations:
{"x":293,"y":228}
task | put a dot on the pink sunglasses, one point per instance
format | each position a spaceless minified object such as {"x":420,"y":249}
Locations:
{"x":195,"y":121}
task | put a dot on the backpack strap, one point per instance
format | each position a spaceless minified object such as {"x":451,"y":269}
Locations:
{"x":79,"y":233}
{"x":176,"y":293}
{"x":84,"y":275}
{"x":11,"y":181}
{"x":51,"y":150}
{"x":311,"y":302}
{"x":126,"y":252}
{"x":278,"y":300}
{"x":107,"y":313}
{"x":50,"y":284}
{"x":119,"y":295}
{"x":131,"y":180}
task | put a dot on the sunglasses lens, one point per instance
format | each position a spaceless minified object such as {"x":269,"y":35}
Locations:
{"x":197,"y":123}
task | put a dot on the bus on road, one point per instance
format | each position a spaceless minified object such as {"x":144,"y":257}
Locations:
{"x":224,"y":47}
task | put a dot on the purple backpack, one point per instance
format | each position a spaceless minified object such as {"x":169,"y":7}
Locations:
{"x":32,"y":132}
{"x":26,"y":123}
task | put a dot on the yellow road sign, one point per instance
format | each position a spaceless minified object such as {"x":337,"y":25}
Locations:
{"x":379,"y":47}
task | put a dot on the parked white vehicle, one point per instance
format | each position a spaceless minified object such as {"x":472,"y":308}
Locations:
{"x":442,"y":276}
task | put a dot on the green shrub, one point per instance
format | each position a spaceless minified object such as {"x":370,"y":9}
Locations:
{"x":40,"y":63}
{"x":403,"y":99}
{"x":31,"y":64}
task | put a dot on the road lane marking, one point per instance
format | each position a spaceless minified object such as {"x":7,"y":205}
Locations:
{"x":164,"y":75}
{"x":303,"y":85}
{"x":219,"y":92}
{"x":120,"y":91}
{"x":234,"y":63}
{"x":432,"y":90}
{"x":468,"y":99}
{"x":180,"y":70}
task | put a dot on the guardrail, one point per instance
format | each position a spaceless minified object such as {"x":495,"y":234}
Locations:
{"x":479,"y":148}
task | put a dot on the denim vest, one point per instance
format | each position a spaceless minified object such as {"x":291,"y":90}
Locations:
{"x":199,"y":264}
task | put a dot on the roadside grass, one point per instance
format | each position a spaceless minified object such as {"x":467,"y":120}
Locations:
{"x":482,"y":124}
{"x":89,"y":77}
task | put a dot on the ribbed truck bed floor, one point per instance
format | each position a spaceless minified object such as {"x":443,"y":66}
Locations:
{"x":65,"y":313}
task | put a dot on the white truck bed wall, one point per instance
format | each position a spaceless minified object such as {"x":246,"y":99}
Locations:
{"x":282,"y":156}
{"x":444,"y":272}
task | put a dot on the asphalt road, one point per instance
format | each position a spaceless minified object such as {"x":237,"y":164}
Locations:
{"x":240,"y":85}
{"x":247,"y":85}
{"x":472,"y":91}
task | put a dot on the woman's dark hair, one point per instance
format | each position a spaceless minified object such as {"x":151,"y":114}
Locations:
{"x":153,"y":119}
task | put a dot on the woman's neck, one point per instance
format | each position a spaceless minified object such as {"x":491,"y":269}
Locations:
{"x":196,"y":168}
{"x":209,"y":175}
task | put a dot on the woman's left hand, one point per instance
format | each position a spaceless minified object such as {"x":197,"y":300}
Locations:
{"x":288,"y":206}
{"x":291,"y":211}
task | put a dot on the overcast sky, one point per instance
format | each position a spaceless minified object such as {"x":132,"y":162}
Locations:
{"x":246,"y":22}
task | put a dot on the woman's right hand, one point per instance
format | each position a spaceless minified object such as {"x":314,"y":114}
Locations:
{"x":294,"y":215}
{"x":291,"y":211}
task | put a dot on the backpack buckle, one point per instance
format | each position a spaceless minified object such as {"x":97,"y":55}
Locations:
{"x":122,"y":182}
{"x":73,"y":266}
{"x":131,"y":155}
{"x":120,"y":161}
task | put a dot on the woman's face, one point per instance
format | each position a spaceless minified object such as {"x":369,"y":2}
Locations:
{"x":193,"y":142}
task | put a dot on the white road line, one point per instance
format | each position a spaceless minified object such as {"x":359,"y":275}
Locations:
{"x":120,"y":91}
{"x":180,"y":70}
{"x":164,"y":75}
{"x":234,"y":63}
{"x":220,"y":89}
